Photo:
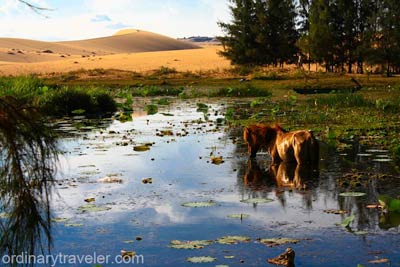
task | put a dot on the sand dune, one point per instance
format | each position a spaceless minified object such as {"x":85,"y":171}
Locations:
{"x":127,"y":41}
{"x":131,"y":50}
{"x":202,"y":59}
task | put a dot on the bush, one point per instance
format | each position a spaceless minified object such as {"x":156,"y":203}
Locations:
{"x":66,"y":101}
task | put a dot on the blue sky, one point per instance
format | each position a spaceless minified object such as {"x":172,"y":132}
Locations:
{"x":73,"y":19}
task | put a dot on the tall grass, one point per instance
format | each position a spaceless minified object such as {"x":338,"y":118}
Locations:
{"x":31,"y":90}
{"x":342,"y":100}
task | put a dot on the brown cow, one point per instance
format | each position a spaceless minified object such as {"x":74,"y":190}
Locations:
{"x":295,"y":146}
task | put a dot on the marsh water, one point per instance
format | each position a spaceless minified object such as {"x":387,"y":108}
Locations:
{"x":133,"y":215}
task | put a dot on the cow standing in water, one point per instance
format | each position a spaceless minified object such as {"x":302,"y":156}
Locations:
{"x":288,"y":146}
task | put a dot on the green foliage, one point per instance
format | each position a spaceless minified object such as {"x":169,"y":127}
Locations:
{"x":261,"y":32}
{"x":343,"y":100}
{"x":153,"y":90}
{"x":151,"y":109}
{"x":24,"y":88}
{"x":243,"y":91}
{"x":67,"y":100}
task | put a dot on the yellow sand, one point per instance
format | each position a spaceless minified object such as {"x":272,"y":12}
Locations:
{"x":131,"y":50}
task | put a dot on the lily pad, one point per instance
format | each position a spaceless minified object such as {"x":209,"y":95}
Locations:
{"x":73,"y":224}
{"x":333,"y":211}
{"x":201,"y":259}
{"x":256,"y":200}
{"x":272,"y":242}
{"x":141,"y":148}
{"x":147,"y":180}
{"x":352,"y":194}
{"x":217,"y":160}
{"x":93,"y":208}
{"x":195,"y":244}
{"x":91,"y":199}
{"x":238,"y":216}
{"x":110,"y":180}
{"x":199,"y":204}
{"x":232,"y":239}
{"x":389,"y":203}
{"x":361,"y":233}
{"x":346,"y":222}
{"x":5,"y":215}
{"x":60,"y":219}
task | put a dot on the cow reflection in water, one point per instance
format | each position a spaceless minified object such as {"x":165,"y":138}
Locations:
{"x":283,"y":175}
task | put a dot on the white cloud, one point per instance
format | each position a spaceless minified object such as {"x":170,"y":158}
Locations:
{"x":96,"y":18}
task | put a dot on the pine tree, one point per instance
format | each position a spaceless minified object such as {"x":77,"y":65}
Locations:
{"x":239,"y":43}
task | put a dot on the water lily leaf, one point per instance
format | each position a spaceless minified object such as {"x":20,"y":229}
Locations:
{"x":217,"y":160}
{"x":91,"y":199}
{"x":147,"y":180}
{"x":110,"y":180}
{"x":201,"y":259}
{"x":383,"y":260}
{"x":199,"y":204}
{"x":382,"y":160}
{"x":333,"y":211}
{"x":238,"y":216}
{"x":73,"y":224}
{"x":361,"y":233}
{"x":195,"y":244}
{"x":256,"y":200}
{"x":5,"y":215}
{"x":347,"y":221}
{"x":93,"y":208}
{"x":141,"y":148}
{"x":272,"y":242}
{"x":232,"y":239}
{"x":229,"y":257}
{"x":60,"y":219}
{"x":389,"y":203}
{"x":352,"y":194}
{"x":127,"y":254}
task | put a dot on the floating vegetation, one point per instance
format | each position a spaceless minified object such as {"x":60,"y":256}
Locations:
{"x":195,"y":244}
{"x":217,"y":160}
{"x":256,"y":200}
{"x":388,"y":203}
{"x":93,"y":208}
{"x":352,"y":194}
{"x":333,"y":211}
{"x":141,"y":148}
{"x":110,"y":179}
{"x":147,"y":180}
{"x":59,"y":220}
{"x":151,"y":109}
{"x":347,"y":221}
{"x":91,"y":199}
{"x":232,"y":239}
{"x":73,"y":224}
{"x":272,"y":242}
{"x":199,"y":204}
{"x":238,"y":216}
{"x":201,"y":259}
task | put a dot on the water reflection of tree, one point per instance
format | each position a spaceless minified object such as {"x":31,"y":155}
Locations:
{"x":28,"y":155}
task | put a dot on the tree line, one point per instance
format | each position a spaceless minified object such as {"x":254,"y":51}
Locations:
{"x":341,"y":35}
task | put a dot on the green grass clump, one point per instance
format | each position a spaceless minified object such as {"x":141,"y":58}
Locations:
{"x":23,"y":88}
{"x":153,"y":90}
{"x":67,"y":101}
{"x":343,"y":100}
{"x":243,"y":91}
{"x":151,"y":109}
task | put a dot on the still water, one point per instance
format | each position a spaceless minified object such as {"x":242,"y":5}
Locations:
{"x":146,"y":217}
